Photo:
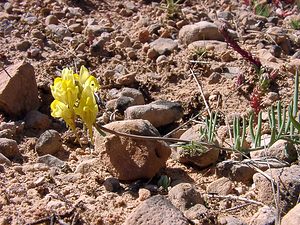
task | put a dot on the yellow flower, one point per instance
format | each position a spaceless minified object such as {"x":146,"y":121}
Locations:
{"x":88,"y":108}
{"x":61,"y":110}
{"x":74,"y":95}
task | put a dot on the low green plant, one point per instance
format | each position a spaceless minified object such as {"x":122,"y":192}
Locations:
{"x":200,"y":52}
{"x":261,"y":9}
{"x":164,"y":182}
{"x":295,"y":24}
{"x":172,"y":8}
{"x":255,"y":135}
{"x":207,"y":134}
{"x":239,"y":137}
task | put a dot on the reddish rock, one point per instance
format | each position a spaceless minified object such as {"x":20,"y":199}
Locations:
{"x":18,"y":89}
{"x":131,"y":159}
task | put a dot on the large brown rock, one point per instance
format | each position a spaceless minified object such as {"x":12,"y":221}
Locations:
{"x":18,"y":89}
{"x":131,"y":159}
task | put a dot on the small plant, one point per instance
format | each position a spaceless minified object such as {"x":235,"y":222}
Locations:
{"x":200,"y":52}
{"x":238,"y":137}
{"x":232,"y":43}
{"x":295,"y":24}
{"x":172,"y":8}
{"x":207,"y":134}
{"x":262,"y":10}
{"x":255,"y":136}
{"x":74,"y":97}
{"x":164,"y":182}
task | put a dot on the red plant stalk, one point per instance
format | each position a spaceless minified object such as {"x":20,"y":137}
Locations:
{"x":232,"y":43}
{"x":255,"y":101}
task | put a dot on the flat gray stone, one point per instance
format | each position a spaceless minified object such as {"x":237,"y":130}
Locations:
{"x":156,"y":210}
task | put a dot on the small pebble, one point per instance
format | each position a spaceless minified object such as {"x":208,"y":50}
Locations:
{"x":112,"y":184}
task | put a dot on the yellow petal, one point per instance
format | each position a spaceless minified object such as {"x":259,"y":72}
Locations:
{"x":83,"y":75}
{"x":61,"y":110}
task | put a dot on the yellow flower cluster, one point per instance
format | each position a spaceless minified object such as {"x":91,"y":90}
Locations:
{"x":74,"y":96}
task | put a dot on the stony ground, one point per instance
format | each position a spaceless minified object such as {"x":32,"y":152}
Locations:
{"x":157,"y":63}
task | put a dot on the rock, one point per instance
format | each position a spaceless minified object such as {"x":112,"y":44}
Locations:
{"x":292,"y":217}
{"x":76,"y":28}
{"x":9,"y":126}
{"x":86,"y":166}
{"x":131,"y":159}
{"x":144,"y":194}
{"x":97,"y":47}
{"x":112,"y":184}
{"x":2,"y":170}
{"x":144,"y":36}
{"x":288,"y":179}
{"x":23,"y":45}
{"x":135,"y":94}
{"x":201,"y":214}
{"x":34,"y":53}
{"x":97,"y":30}
{"x":51,"y":161}
{"x":264,"y":216}
{"x":4,"y":160}
{"x":48,"y":143}
{"x":18,"y":90}
{"x":37,"y":34}
{"x":221,"y":186}
{"x":296,"y":55}
{"x":226,"y":15}
{"x":199,"y":159}
{"x":281,"y":149}
{"x":184,"y":195}
{"x":164,"y":46}
{"x":162,"y":59}
{"x":8,"y":7}
{"x":199,"y":31}
{"x":37,"y":120}
{"x":9,"y":148}
{"x":235,"y":172}
{"x":120,"y":104}
{"x":156,"y":210}
{"x":265,"y":56}
{"x":59,"y":31}
{"x":152,"y":54}
{"x":6,"y":133}
{"x":158,"y":113}
{"x":51,"y":19}
{"x":214,"y":78}
{"x":276,"y":51}
{"x":230,"y":220}
{"x":127,"y":80}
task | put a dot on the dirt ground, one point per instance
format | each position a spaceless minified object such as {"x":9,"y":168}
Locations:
{"x":31,"y":193}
